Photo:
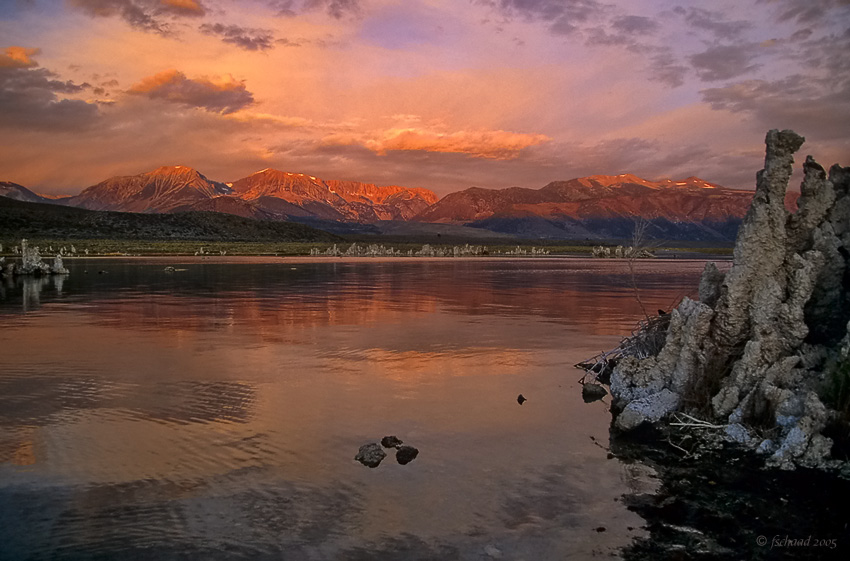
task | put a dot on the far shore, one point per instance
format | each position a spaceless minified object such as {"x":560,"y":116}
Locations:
{"x":167,"y":258}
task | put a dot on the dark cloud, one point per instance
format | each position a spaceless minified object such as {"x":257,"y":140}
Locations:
{"x":244,"y":37}
{"x":824,"y":56}
{"x":223,"y":96}
{"x":600,"y":36}
{"x":638,"y":25}
{"x":564,"y":16}
{"x":147,"y":15}
{"x":28,"y":96}
{"x":798,"y":102}
{"x":713,"y":22}
{"x":724,"y":62}
{"x":805,"y":12}
{"x":667,"y":69}
{"x":337,"y":9}
{"x":597,"y":24}
{"x":801,"y":34}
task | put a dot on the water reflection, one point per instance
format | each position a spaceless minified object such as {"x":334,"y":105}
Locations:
{"x":29,"y":289}
{"x":215,"y":412}
{"x":270,"y":295}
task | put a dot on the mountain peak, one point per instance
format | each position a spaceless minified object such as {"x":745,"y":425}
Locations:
{"x":691,"y":181}
{"x":609,"y":180}
{"x":174,"y":170}
{"x":19,"y":192}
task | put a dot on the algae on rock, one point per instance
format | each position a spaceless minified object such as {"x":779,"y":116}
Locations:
{"x":754,"y":352}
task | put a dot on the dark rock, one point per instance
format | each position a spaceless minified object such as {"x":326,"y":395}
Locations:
{"x":406,"y":454}
{"x":592,"y":392}
{"x":602,"y":370}
{"x":521,"y":399}
{"x":370,"y":455}
{"x":391,"y":442}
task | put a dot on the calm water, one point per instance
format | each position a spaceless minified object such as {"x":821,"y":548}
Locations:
{"x":214,"y":412}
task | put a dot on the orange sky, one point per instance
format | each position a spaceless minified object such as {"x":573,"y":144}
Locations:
{"x":442,"y":94}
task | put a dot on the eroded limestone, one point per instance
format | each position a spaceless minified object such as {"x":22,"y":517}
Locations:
{"x":753,"y":355}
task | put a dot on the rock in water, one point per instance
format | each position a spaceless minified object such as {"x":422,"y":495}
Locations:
{"x":406,"y":454}
{"x":391,"y":442}
{"x":370,"y":455}
{"x":592,"y":392}
{"x":58,"y":267}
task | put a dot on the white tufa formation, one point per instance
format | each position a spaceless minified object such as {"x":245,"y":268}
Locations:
{"x":756,"y":353}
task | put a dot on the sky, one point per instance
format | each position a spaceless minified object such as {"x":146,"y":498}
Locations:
{"x":441,"y":94}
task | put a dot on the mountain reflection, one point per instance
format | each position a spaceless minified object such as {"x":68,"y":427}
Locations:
{"x":265,"y":298}
{"x":147,"y":414}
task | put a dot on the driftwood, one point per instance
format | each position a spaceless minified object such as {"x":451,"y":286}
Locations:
{"x":646,"y":340}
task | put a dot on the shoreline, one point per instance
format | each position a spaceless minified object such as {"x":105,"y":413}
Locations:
{"x":691,"y":257}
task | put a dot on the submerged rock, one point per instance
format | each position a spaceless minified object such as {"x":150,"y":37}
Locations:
{"x":592,"y":392}
{"x":391,"y":442}
{"x":370,"y":455}
{"x":758,"y":352}
{"x":406,"y":454}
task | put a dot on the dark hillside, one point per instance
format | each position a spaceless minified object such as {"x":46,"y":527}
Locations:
{"x":20,"y":219}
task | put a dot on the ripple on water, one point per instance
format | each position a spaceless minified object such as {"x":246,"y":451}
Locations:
{"x":215,"y":412}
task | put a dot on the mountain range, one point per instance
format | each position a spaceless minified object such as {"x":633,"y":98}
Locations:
{"x":599,"y":206}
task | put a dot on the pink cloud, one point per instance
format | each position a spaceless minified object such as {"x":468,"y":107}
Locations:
{"x":491,"y":144}
{"x":223,"y":95}
{"x":18,"y":57}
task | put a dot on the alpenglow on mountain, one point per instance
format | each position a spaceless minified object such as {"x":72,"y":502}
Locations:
{"x":600,"y":206}
{"x":267,"y":194}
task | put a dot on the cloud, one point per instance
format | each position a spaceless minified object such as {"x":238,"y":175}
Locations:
{"x":724,"y":62}
{"x":498,"y":144}
{"x":564,"y":16}
{"x":18,"y":57}
{"x":808,"y":12}
{"x":712,"y":22}
{"x":244,"y":37}
{"x":182,"y":7}
{"x":337,"y":9}
{"x":665,"y":68}
{"x":276,"y":121}
{"x":801,"y":34}
{"x":797,"y":102}
{"x":146,"y":15}
{"x":225,"y":95}
{"x":28,"y":96}
{"x":635,"y":25}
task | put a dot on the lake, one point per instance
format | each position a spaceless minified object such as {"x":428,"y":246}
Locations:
{"x":214,"y":412}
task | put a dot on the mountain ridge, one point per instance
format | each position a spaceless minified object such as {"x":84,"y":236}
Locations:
{"x":588,"y":207}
